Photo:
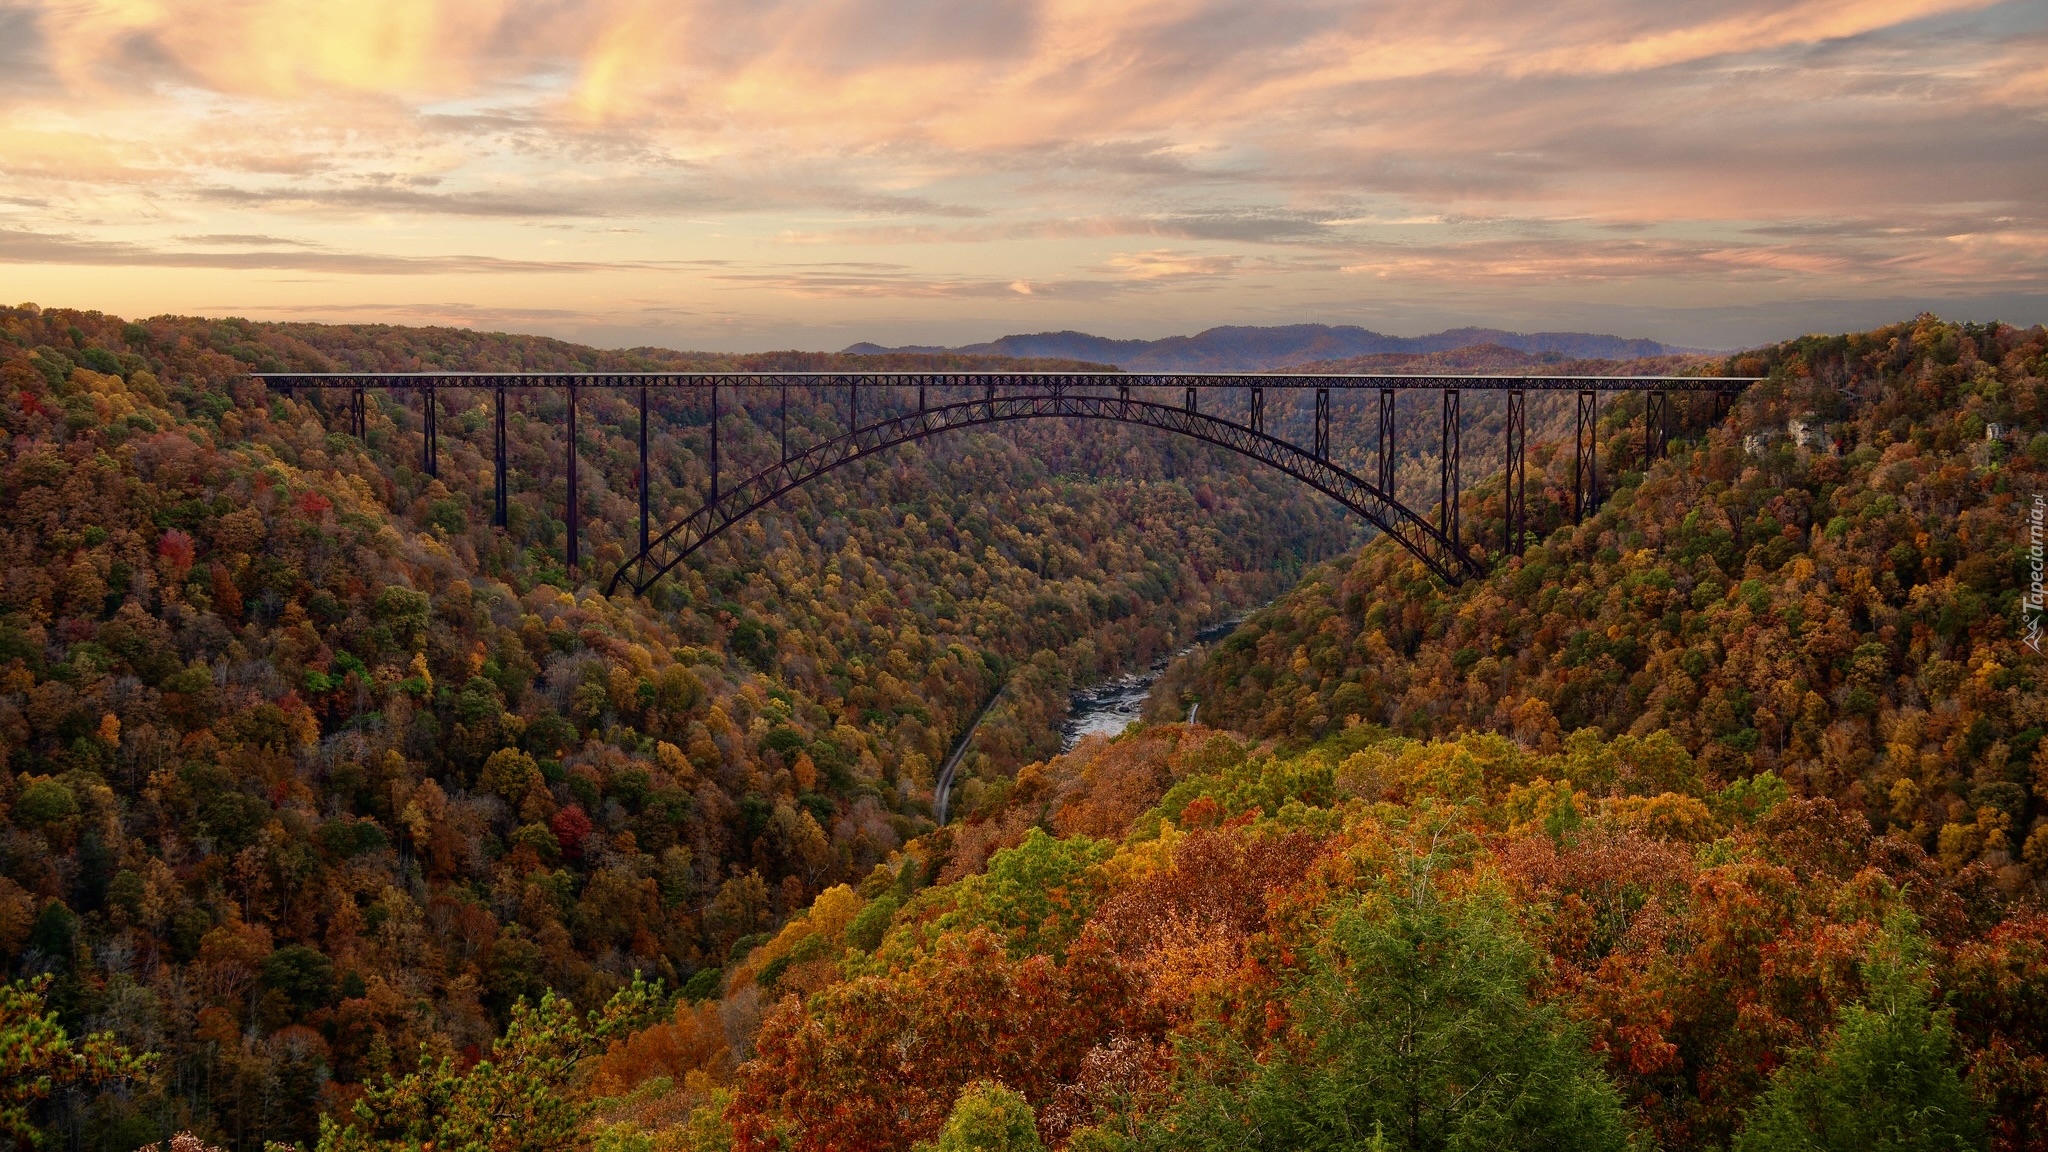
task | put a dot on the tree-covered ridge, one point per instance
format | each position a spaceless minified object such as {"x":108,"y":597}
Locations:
{"x":1476,"y":359}
{"x":1828,"y":586}
{"x":303,"y":766}
{"x":1378,"y":941}
{"x":349,"y":809}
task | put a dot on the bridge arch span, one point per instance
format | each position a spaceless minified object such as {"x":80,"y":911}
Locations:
{"x":707,"y":522}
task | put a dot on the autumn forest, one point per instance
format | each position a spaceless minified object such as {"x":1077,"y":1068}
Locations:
{"x":334,"y":817}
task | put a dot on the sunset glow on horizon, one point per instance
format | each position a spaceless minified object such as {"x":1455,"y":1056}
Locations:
{"x":726,"y":175}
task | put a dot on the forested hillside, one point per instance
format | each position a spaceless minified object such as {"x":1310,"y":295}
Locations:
{"x":1827,"y":586}
{"x":1381,"y":942}
{"x":1717,"y":822}
{"x":1476,"y":878}
{"x":306,"y":765}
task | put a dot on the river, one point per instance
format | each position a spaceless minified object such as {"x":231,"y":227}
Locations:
{"x":1114,"y":705}
{"x":1107,"y":708}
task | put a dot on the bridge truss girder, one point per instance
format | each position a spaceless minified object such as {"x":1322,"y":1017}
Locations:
{"x":1437,"y":551}
{"x":1051,"y":394}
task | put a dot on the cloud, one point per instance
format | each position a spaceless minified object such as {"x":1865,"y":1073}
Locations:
{"x":242,"y":240}
{"x":22,"y":247}
{"x":885,"y":282}
{"x":407,"y":200}
{"x":971,"y":158}
{"x":23,"y":55}
{"x":1168,"y":264}
{"x":466,"y":315}
{"x":1263,"y":226}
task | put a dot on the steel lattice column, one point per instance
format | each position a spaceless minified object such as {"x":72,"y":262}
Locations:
{"x":1448,"y":459}
{"x":358,"y":414}
{"x":1386,"y":477}
{"x":1656,"y":425}
{"x":570,"y":516}
{"x":1586,"y":457}
{"x":1258,"y":410}
{"x":643,"y":467}
{"x":1322,"y":450}
{"x":498,"y":493}
{"x":430,"y":457}
{"x":1515,"y":490}
{"x":714,"y":440}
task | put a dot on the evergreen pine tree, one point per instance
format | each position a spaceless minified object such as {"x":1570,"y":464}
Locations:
{"x":1886,"y":1081}
{"x":1415,"y":1029}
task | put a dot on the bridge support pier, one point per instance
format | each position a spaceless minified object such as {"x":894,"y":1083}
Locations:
{"x":430,"y":456}
{"x":498,"y":492}
{"x":571,"y":515}
{"x":1448,"y":459}
{"x":1515,"y":494}
{"x":643,"y":468}
{"x":1586,"y":457}
{"x":785,"y":424}
{"x":1258,"y":411}
{"x":1656,"y":425}
{"x":358,"y":414}
{"x":1387,"y":471}
{"x":1322,"y":443}
{"x":1191,"y":400}
{"x":714,"y":440}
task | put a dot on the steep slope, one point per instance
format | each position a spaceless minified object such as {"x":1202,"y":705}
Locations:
{"x":1708,"y":822}
{"x":304,"y":766}
{"x":1198,"y":943}
{"x":1827,"y":586}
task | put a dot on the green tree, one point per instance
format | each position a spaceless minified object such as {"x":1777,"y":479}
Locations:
{"x":988,"y":1117}
{"x":37,"y":1057}
{"x":1414,"y":1029}
{"x":519,"y":1100}
{"x":1886,"y":1081}
{"x":1037,"y":894}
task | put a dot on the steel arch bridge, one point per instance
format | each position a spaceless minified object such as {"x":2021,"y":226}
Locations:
{"x":973,"y":399}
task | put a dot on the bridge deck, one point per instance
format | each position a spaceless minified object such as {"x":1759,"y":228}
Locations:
{"x":1183,"y":380}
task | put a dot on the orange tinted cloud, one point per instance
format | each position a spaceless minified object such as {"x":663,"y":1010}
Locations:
{"x":1134,"y":160}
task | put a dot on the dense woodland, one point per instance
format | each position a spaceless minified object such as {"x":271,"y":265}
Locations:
{"x":307,"y":765}
{"x":1712,"y":823}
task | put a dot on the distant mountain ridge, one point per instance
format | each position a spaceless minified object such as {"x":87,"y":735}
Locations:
{"x":1239,"y":348}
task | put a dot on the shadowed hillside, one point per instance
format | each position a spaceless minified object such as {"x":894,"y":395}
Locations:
{"x":1247,"y":349}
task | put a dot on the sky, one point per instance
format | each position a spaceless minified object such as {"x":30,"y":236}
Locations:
{"x":754,"y":174}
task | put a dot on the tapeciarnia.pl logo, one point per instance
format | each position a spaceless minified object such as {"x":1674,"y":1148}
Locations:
{"x":2033,"y":604}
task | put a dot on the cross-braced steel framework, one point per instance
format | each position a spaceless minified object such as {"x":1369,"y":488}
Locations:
{"x":970,"y":399}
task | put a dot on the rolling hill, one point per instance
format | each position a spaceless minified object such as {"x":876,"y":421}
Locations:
{"x":1253,"y":349}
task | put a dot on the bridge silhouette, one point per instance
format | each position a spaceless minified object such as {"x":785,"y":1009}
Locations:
{"x":1235,"y":418}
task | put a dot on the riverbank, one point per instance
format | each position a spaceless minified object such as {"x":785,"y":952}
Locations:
{"x":1108,"y":708}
